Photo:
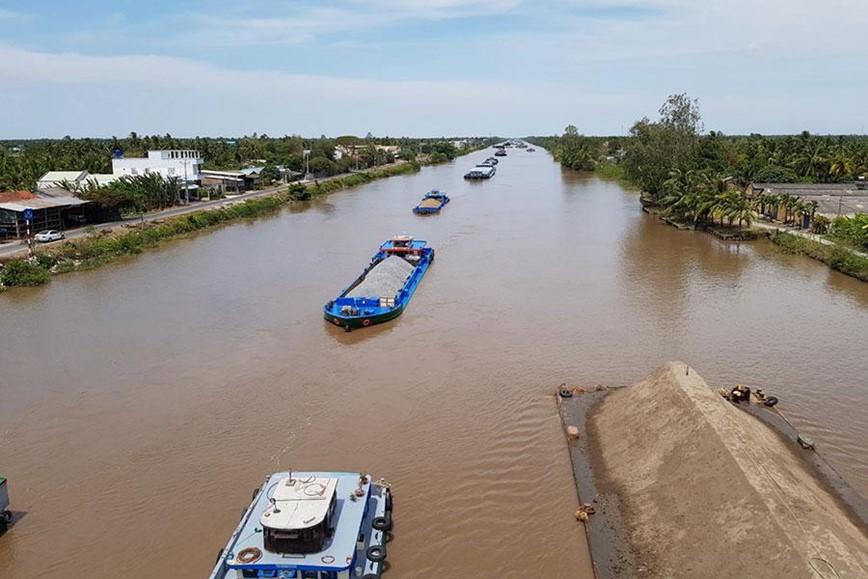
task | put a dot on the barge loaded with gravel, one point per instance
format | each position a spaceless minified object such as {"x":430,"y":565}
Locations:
{"x":385,"y":287}
{"x":311,"y":524}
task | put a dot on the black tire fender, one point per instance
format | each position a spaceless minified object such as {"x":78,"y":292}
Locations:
{"x":382,"y":523}
{"x":565,"y":393}
{"x":376,"y":553}
{"x":770,"y":401}
{"x":220,"y":554}
{"x":388,"y":501}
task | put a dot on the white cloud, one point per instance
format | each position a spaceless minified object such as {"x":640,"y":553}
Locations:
{"x":58,"y":94}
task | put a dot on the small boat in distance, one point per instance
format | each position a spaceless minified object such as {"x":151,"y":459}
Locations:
{"x":481,"y":172}
{"x":385,"y":287}
{"x":433,"y":202}
{"x":531,"y":150}
{"x":500,"y":153}
{"x":310,"y":524}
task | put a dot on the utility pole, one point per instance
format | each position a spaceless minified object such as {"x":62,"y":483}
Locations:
{"x":186,"y":188}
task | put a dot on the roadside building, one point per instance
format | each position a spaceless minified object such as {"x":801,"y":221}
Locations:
{"x":49,"y":212}
{"x":55,"y":178}
{"x":101,"y":179}
{"x":227,"y":182}
{"x":252,"y":176}
{"x":180,"y":165}
{"x":832,"y":199}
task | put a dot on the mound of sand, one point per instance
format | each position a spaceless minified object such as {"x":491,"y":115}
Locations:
{"x":710,"y":491}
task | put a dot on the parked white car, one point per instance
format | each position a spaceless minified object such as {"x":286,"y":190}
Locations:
{"x":49,"y":235}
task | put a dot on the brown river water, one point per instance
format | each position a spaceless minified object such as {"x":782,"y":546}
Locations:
{"x":141,"y":403}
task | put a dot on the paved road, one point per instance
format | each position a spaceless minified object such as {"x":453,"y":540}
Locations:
{"x":14,"y":247}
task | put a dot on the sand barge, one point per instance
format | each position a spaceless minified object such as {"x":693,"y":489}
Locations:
{"x":706,"y":490}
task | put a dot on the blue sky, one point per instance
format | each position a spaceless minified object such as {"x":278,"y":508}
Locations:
{"x":435,"y":67}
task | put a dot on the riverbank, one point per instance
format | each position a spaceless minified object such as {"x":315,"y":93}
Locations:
{"x":840,"y":259}
{"x":101,"y":246}
{"x":699,"y":487}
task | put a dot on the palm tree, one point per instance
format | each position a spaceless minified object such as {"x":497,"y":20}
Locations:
{"x":841,"y":164}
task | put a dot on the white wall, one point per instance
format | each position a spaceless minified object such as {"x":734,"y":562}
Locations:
{"x":169,"y":164}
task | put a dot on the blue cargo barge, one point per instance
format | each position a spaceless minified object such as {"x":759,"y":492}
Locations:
{"x":433,"y":202}
{"x":385,"y":287}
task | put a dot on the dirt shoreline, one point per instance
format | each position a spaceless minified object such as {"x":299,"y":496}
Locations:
{"x":699,"y":488}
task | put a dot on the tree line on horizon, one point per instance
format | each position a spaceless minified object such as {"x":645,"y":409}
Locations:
{"x":701,"y":177}
{"x":23,"y":162}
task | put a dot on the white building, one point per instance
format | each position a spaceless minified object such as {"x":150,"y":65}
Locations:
{"x":173,"y":164}
{"x":53,"y":179}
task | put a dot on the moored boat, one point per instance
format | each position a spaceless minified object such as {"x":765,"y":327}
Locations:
{"x":311,"y":524}
{"x":500,"y":153}
{"x":433,"y":202}
{"x":385,"y":287}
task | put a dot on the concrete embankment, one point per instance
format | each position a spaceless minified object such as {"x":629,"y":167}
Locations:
{"x":702,"y":488}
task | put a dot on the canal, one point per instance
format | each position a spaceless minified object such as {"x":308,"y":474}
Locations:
{"x":141,"y":403}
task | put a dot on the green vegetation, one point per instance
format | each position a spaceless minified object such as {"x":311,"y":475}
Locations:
{"x":23,"y":273}
{"x":22,"y":162}
{"x":835,"y":257}
{"x":851,"y":231}
{"x":97,"y":249}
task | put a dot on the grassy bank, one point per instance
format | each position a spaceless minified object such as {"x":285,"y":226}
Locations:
{"x":835,"y":257}
{"x":99,"y":248}
{"x":613,"y":171}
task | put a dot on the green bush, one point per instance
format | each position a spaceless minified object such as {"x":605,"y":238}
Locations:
{"x":22,"y":273}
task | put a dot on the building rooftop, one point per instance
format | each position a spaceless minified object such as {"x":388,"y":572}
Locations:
{"x":12,"y":196}
{"x":63,"y":176}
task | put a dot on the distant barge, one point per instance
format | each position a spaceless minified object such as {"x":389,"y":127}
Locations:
{"x":481,"y":172}
{"x":433,"y":202}
{"x":385,"y":287}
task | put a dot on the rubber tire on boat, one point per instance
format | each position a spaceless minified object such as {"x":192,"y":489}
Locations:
{"x":382,"y":523}
{"x":255,"y":492}
{"x":565,"y":393}
{"x":7,"y":517}
{"x":770,"y":401}
{"x":370,"y":576}
{"x":389,"y":501}
{"x":220,"y":554}
{"x":376,"y":553}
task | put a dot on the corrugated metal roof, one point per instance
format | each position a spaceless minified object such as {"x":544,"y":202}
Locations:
{"x":11,"y":196}
{"x":43,"y":203}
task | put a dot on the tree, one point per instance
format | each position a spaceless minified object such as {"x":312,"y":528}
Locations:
{"x":660,"y":147}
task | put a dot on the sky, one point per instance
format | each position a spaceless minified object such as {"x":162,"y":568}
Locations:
{"x":427,"y":67}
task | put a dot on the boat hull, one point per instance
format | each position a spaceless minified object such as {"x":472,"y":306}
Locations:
{"x":356,"y":322}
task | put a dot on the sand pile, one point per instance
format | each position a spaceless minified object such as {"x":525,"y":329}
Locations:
{"x":385,"y":280}
{"x":709,"y":491}
{"x":430,"y":203}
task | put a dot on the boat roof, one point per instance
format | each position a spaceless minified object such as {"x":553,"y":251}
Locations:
{"x":405,"y":243}
{"x":299,"y":503}
{"x":339,"y":549}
